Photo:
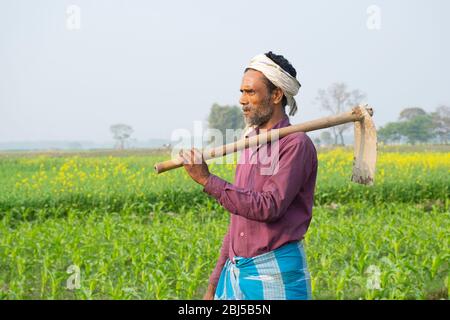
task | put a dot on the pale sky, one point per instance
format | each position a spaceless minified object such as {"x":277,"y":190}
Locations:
{"x":159,"y":66}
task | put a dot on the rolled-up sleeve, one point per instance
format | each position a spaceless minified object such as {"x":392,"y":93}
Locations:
{"x":296,"y":162}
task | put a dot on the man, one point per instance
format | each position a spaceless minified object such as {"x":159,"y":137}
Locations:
{"x":262,"y":255}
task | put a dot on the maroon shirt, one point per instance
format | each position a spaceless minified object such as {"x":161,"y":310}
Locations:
{"x":269,"y":208}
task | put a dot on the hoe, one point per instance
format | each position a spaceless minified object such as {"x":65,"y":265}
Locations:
{"x":365,"y":148}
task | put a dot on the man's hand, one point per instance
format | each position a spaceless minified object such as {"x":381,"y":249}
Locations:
{"x":195,"y":165}
{"x":209,"y":295}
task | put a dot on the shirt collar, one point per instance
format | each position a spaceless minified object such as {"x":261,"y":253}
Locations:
{"x":282,"y":123}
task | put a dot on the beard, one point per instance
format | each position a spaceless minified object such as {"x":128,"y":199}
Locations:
{"x":258,"y":115}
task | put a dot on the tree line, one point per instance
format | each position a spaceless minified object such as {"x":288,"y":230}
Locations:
{"x":414,"y":125}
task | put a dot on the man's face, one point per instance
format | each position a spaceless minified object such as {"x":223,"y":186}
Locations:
{"x":255,"y":98}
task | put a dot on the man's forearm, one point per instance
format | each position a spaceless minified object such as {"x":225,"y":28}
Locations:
{"x":215,"y":276}
{"x":268,"y":203}
{"x":212,"y":287}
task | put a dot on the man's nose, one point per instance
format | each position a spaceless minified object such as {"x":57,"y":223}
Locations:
{"x":243,"y":100}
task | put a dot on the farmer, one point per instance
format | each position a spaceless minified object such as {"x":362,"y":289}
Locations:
{"x":262,"y":255}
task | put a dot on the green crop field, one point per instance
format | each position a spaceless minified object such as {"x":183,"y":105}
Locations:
{"x":105,"y":226}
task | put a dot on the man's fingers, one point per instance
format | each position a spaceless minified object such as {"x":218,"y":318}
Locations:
{"x":184,"y":156}
{"x":195,"y":156}
{"x":192,"y":156}
{"x":198,"y":156}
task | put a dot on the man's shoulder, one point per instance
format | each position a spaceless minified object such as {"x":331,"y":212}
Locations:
{"x":298,"y":138}
{"x":300,"y":143}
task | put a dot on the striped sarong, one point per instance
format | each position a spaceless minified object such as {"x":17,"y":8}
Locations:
{"x":281,"y":274}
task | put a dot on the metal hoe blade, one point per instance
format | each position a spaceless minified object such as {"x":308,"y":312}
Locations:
{"x":365,"y":156}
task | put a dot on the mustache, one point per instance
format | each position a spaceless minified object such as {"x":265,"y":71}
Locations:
{"x":246,"y":108}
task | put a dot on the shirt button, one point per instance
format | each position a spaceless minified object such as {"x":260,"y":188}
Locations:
{"x":241,"y":234}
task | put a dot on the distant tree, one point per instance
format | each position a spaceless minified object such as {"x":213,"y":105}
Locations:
{"x":336,"y":99}
{"x":410,"y":113}
{"x":415,"y":126}
{"x":418,"y":129}
{"x":131,"y":143}
{"x":317,"y":141}
{"x":391,"y":132}
{"x":121,"y":133}
{"x":225,"y":117}
{"x":325,"y":137}
{"x":441,"y":123}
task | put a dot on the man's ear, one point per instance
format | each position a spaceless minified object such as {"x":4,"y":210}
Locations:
{"x":277,"y":95}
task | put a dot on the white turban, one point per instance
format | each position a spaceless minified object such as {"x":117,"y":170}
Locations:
{"x":280,"y":78}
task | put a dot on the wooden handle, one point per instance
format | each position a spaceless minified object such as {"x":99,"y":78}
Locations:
{"x":168,"y":165}
{"x":272,"y":135}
